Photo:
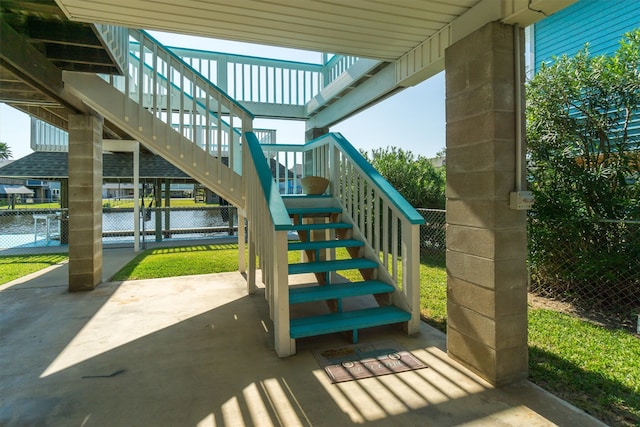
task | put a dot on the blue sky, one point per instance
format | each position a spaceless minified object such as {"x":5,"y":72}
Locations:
{"x":414,"y":119}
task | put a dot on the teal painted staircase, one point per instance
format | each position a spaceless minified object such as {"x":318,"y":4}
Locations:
{"x":317,"y":220}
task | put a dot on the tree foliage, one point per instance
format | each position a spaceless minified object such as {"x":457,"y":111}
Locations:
{"x":5,"y":151}
{"x":416,"y":178}
{"x":582,"y":149}
{"x":584,"y":159}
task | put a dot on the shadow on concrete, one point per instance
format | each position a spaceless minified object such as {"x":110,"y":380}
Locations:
{"x":197,"y":350}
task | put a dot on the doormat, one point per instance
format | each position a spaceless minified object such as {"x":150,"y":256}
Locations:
{"x":360,"y":361}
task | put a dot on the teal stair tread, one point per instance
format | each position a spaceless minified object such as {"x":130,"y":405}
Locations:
{"x":307,"y":196}
{"x":314,"y":211}
{"x":317,"y":226}
{"x":331,"y":265}
{"x":340,"y":290}
{"x":346,"y":321}
{"x":325,"y":244}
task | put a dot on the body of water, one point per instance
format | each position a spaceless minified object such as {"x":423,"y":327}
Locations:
{"x":21,"y":222}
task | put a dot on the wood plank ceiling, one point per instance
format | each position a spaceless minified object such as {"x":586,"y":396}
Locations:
{"x":379,"y":29}
{"x":48,"y":36}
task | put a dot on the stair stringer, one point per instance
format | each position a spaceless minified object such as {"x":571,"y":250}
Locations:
{"x":398,"y":299}
{"x":156,"y":135}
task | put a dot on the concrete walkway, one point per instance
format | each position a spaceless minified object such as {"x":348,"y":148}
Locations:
{"x":197,"y":351}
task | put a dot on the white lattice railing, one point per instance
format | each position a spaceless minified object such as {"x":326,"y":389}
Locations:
{"x":381,"y":217}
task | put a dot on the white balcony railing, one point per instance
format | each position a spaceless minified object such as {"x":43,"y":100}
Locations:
{"x":257,"y":80}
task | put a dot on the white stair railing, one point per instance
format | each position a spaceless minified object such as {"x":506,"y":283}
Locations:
{"x":267,"y":218}
{"x":176,"y":94}
{"x":381,"y":217}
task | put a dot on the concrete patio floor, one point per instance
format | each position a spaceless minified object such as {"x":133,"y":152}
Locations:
{"x":198,"y":351}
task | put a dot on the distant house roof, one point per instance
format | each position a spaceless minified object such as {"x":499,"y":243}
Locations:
{"x":115,"y":167}
{"x":14,"y":189}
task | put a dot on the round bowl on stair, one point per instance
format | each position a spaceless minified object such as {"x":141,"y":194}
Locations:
{"x":314,"y":184}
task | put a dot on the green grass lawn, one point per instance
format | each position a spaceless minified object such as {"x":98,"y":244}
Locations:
{"x":184,"y":261}
{"x":594,"y":368}
{"x":14,"y":266}
{"x":47,"y":205}
{"x":113,"y":203}
{"x":174,"y":203}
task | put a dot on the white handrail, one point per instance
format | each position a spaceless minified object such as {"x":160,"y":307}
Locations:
{"x":381,"y":217}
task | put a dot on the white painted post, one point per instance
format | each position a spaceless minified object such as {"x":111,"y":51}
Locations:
{"x":284,"y":345}
{"x":411,"y":272}
{"x":242,"y":264}
{"x":129,"y":146}
{"x":221,"y":71}
{"x":251,"y":274}
{"x":136,"y":197}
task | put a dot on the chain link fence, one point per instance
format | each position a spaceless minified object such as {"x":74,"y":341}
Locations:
{"x":433,"y":246}
{"x":47,"y":229}
{"x":28,"y":202}
{"x":594,"y":266}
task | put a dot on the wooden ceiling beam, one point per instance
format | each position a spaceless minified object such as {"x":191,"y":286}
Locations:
{"x":18,"y":92}
{"x":84,"y":67}
{"x":32,"y":66}
{"x":67,"y":33}
{"x":42,"y":8}
{"x":54,"y":116}
{"x":77,"y":54}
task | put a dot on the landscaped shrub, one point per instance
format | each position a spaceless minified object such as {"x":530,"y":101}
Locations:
{"x":583,"y":130}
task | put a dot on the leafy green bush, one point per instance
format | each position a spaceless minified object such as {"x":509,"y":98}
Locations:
{"x":416,"y":178}
{"x":584,"y":167}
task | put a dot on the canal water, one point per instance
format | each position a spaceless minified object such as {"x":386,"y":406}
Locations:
{"x":22,"y":223}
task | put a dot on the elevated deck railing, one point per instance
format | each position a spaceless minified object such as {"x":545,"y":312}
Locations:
{"x":46,"y":137}
{"x":251,"y":79}
{"x":381,"y":217}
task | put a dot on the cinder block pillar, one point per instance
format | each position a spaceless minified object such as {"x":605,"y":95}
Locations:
{"x":486,"y":240}
{"x":313,"y":133}
{"x":85,"y":202}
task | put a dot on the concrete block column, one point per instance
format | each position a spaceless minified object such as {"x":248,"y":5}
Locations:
{"x":85,"y":202}
{"x":486,"y":240}
{"x":313,"y":133}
